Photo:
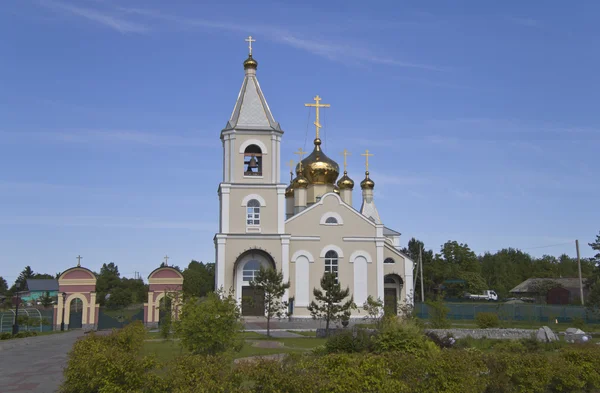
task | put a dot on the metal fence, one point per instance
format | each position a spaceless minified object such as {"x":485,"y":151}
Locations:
{"x":30,"y":319}
{"x":514,"y":312}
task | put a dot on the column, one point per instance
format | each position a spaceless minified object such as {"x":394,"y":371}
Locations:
{"x":220,"y":262}
{"x":285,"y":264}
{"x":273,"y":159}
{"x":379,"y":246}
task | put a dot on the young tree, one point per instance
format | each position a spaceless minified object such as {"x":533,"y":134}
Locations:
{"x":46,"y":300}
{"x":271,"y":282}
{"x":328,"y":304}
{"x":210,"y":326}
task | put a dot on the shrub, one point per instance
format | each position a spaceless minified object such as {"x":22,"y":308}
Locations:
{"x":211,"y":326}
{"x":5,"y":336}
{"x":438,"y":314}
{"x":202,"y":374}
{"x":512,"y":346}
{"x":402,"y":336}
{"x":486,"y":320}
{"x":111,"y":364}
{"x":511,"y":372}
{"x":349,"y":341}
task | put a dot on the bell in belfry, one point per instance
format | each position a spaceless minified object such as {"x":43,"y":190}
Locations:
{"x":253,"y":164}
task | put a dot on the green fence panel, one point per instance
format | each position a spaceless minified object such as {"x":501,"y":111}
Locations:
{"x":116,"y":319}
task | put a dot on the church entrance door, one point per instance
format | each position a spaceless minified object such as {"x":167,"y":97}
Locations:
{"x":253,"y":302}
{"x":390,"y":301}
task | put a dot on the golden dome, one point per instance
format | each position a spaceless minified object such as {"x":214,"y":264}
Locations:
{"x":317,"y":168}
{"x":289,"y":191}
{"x":345,"y":183}
{"x":336,"y":189}
{"x":300,"y":181}
{"x":250,"y":63}
{"x":367,"y":184}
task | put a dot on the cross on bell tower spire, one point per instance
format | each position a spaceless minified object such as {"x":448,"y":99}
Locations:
{"x":249,"y":40}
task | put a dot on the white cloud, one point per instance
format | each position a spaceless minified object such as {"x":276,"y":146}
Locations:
{"x":106,"y":19}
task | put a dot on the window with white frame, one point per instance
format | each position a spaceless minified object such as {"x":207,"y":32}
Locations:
{"x":331,"y":220}
{"x":388,"y":261}
{"x":251,"y":269}
{"x":331,"y":263}
{"x":253,"y":213}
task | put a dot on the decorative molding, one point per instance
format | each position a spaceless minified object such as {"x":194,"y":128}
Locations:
{"x":309,"y":238}
{"x":332,"y":247}
{"x":248,"y":142}
{"x":359,"y":239}
{"x":77,"y":281}
{"x":335,"y":215}
{"x":302,"y":253}
{"x":253,"y":229}
{"x":360,"y":253}
{"x":249,"y":197}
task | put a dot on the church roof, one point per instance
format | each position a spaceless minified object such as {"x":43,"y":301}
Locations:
{"x":251,"y":110}
{"x":369,"y":210}
{"x":390,"y":232}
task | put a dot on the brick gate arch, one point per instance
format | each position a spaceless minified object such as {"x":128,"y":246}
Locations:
{"x":76,"y":283}
{"x":162,"y":282}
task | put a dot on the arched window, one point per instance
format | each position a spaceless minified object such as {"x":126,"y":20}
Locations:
{"x":253,"y":212}
{"x":331,"y":263}
{"x":389,"y":260}
{"x":252,"y":161}
{"x":251,"y":269}
{"x":331,"y":220}
{"x":389,"y":280}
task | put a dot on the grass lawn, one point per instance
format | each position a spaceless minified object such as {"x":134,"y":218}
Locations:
{"x":167,"y":350}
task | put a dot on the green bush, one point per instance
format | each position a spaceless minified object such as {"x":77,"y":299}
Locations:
{"x":25,"y":333}
{"x":579,"y":323}
{"x":211,"y":326}
{"x":202,"y":374}
{"x":111,"y":363}
{"x":438,"y":314}
{"x":402,"y":336}
{"x":349,"y":341}
{"x":512,"y":346}
{"x":486,"y":320}
{"x":5,"y":336}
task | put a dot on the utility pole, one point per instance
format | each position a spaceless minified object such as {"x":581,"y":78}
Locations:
{"x":421,"y":264}
{"x":415,"y":280}
{"x":579,"y":267}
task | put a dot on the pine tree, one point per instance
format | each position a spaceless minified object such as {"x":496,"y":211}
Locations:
{"x":328,"y":304}
{"x":271,"y":283}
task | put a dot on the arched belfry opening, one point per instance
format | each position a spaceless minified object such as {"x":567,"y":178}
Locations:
{"x":247,"y":266}
{"x":253,"y":161}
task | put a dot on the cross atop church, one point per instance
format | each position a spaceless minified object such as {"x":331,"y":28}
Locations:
{"x":166,"y":258}
{"x":291,"y":165}
{"x":301,"y":153}
{"x":318,"y":105}
{"x":249,"y":40}
{"x":79,"y":258}
{"x":345,"y":153}
{"x":367,"y":155}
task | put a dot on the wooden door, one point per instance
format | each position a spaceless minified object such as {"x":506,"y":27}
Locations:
{"x":253,"y":302}
{"x":390,"y":302}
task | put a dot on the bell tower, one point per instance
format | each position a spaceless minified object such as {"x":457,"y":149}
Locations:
{"x":252,"y":198}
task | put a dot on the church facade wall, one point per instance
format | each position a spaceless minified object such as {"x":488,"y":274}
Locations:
{"x":241,"y":140}
{"x":269,"y":213}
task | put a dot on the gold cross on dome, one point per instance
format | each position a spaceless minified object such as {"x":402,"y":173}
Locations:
{"x":291,"y":166}
{"x":301,"y":153}
{"x":367,"y":155}
{"x":166,"y":258}
{"x":79,"y":258}
{"x":345,"y":153}
{"x":318,"y":105}
{"x":249,"y":40}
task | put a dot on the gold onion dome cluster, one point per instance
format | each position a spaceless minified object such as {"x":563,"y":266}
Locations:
{"x":367,"y":183}
{"x":300,"y":181}
{"x":317,"y":168}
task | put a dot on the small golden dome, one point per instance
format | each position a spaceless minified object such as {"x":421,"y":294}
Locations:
{"x":345,"y":183}
{"x":317,"y":168}
{"x":336,"y":189}
{"x":367,"y":184}
{"x":300,"y":182}
{"x":289,"y":191}
{"x":250,"y":63}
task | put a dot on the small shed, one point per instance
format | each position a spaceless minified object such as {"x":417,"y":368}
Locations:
{"x":37,"y":288}
{"x":567,"y":291}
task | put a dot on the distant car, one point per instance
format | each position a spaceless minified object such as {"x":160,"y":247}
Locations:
{"x":487,"y":295}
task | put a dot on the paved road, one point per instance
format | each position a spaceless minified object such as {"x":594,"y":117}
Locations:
{"x":34,"y":364}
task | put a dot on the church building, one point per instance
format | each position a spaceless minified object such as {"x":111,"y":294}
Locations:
{"x":303,"y":229}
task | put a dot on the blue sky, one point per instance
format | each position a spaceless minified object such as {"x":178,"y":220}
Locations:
{"x":482,"y":117}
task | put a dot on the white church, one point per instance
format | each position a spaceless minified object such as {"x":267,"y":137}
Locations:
{"x":304,"y":228}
